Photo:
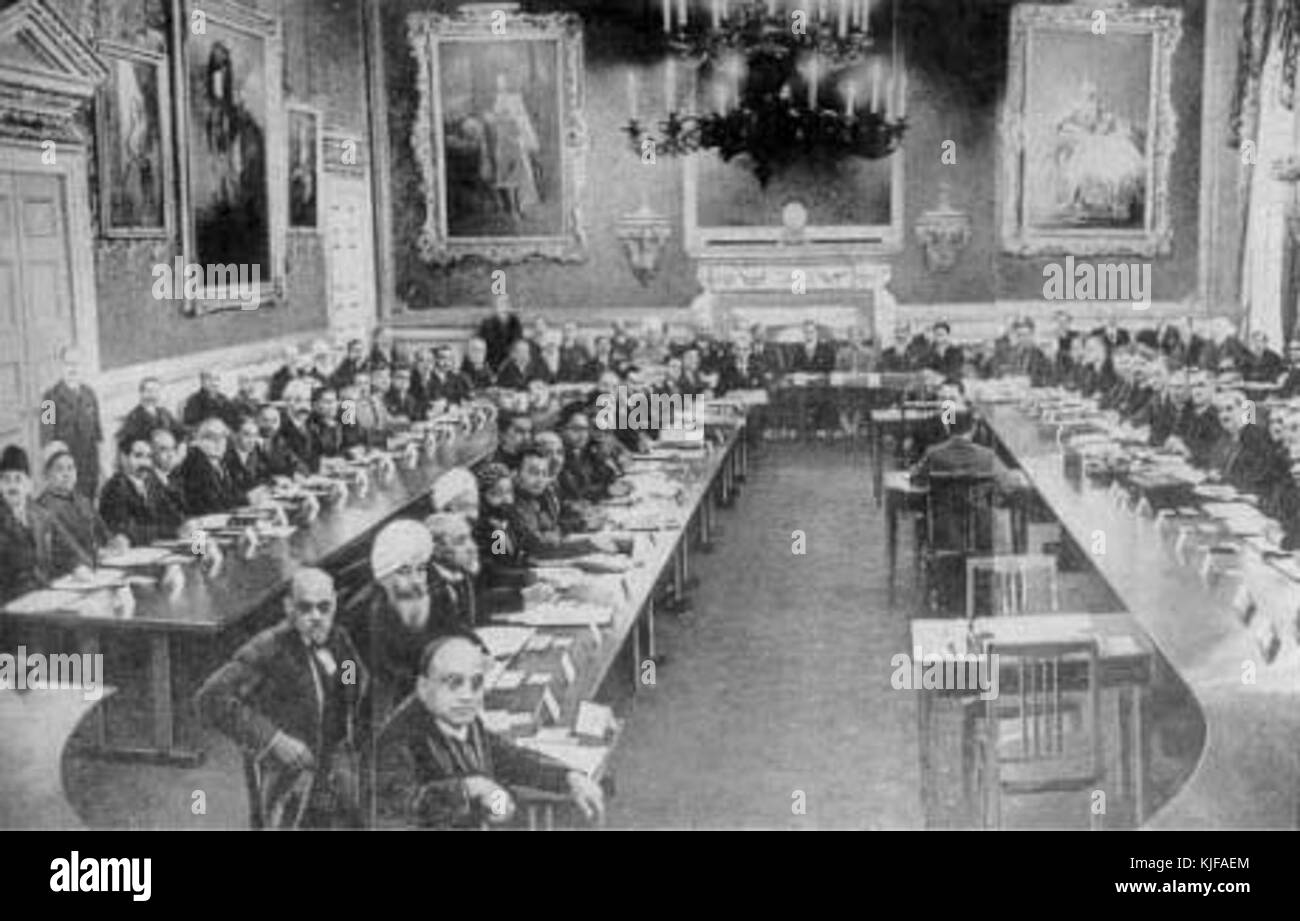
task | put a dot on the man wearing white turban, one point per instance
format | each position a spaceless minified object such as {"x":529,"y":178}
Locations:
{"x":456,"y":491}
{"x":398,"y":619}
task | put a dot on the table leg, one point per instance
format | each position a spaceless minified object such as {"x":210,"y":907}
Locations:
{"x":924,"y":705}
{"x":88,"y":644}
{"x":877,"y":471}
{"x":650,"y":628}
{"x":636,"y":657}
{"x":891,"y":519}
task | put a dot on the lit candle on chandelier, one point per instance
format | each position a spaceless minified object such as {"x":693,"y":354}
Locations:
{"x":902,"y":93}
{"x":668,"y":16}
{"x":670,"y":84}
{"x":631,"y":93}
{"x":681,"y":13}
{"x":844,"y":18}
{"x":771,"y":7}
{"x":717,"y":18}
{"x":851,"y":103}
{"x":812,"y":84}
{"x":875,"y":87}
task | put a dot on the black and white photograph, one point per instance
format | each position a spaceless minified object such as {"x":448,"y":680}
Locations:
{"x":674,"y":415}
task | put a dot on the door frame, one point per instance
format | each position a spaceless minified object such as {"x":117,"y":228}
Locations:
{"x":19,"y":155}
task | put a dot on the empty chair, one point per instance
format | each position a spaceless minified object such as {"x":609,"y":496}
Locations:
{"x":1012,"y":586}
{"x":959,"y":524}
{"x":1027,"y":745}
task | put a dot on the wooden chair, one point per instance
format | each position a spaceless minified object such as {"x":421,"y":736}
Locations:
{"x":1009,"y":583}
{"x":1025,"y":748}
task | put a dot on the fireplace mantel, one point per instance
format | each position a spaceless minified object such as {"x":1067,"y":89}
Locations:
{"x":785,"y":286}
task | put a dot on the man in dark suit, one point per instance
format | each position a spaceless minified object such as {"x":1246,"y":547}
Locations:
{"x":516,"y":371}
{"x":291,"y":698}
{"x":34,"y":547}
{"x":149,"y":415}
{"x":245,"y":458}
{"x":894,"y":358}
{"x":500,"y":331}
{"x":1262,"y":363}
{"x":400,"y":401}
{"x":135,"y":502}
{"x":281,"y":459}
{"x":447,"y":383}
{"x":1198,"y":428}
{"x":744,"y":370}
{"x":475,"y":368}
{"x":295,"y":366}
{"x":207,"y":402}
{"x":573,"y":355}
{"x":205,"y":484}
{"x":328,"y":435}
{"x":602,"y":360}
{"x":1113,"y":336}
{"x":944,"y":357}
{"x":814,"y":355}
{"x":353,"y":364}
{"x":439,"y":767}
{"x":70,"y":414}
{"x":453,"y":567}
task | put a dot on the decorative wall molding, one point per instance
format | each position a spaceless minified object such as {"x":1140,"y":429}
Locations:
{"x":47,"y":74}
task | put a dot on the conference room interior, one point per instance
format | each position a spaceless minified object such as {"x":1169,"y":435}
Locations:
{"x":648,"y":414}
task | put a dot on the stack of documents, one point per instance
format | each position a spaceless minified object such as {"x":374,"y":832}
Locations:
{"x":568,"y":749}
{"x":504,"y":642}
{"x":562,"y":614}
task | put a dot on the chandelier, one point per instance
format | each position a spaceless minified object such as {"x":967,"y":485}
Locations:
{"x":787,"y":85}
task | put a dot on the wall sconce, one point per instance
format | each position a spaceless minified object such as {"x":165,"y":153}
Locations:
{"x":944,"y":232}
{"x":644,"y":233}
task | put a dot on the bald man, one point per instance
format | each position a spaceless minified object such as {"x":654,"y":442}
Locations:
{"x":439,"y":767}
{"x":291,"y":698}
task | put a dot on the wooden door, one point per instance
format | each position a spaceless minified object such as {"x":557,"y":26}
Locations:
{"x":36,"y":307}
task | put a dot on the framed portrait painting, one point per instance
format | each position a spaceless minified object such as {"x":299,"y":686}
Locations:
{"x":304,"y":166}
{"x":133,"y":136}
{"x":499,"y":134}
{"x":1088,"y":131}
{"x":235,"y":189}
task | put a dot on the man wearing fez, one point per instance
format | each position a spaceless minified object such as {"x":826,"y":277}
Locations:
{"x":291,"y":698}
{"x":34,"y":547}
{"x":70,"y":414}
{"x":439,"y":767}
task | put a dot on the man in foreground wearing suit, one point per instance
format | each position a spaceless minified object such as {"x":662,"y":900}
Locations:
{"x":291,"y":698}
{"x":439,"y":767}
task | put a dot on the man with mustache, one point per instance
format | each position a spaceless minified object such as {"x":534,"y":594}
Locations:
{"x":291,"y":698}
{"x":453,"y":567}
{"x":34,"y":547}
{"x":439,"y":766}
{"x":401,"y":620}
{"x":296,"y":434}
{"x":136,"y":502}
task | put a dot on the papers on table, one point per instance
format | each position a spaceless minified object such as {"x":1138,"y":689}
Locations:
{"x":45,"y":601}
{"x":504,"y":642}
{"x":93,"y":581}
{"x":570,"y":750}
{"x":137,"y":556}
{"x":506,"y":680}
{"x":503,"y":721}
{"x":594,"y":720}
{"x":562,"y":614}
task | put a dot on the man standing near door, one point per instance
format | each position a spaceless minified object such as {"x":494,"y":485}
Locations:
{"x":69,"y":412}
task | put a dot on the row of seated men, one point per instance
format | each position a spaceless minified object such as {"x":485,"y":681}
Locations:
{"x":416,"y":697}
{"x":1208,"y":417}
{"x":1018,"y":351}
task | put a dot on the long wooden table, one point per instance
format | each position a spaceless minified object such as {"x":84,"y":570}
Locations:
{"x":1248,"y":773}
{"x":214,"y":608}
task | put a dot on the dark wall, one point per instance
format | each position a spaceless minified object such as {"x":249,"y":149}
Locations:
{"x":956,"y":57}
{"x":324,"y":66}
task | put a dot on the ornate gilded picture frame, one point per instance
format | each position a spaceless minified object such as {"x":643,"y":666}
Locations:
{"x":1088,"y":131}
{"x":500,"y":135}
